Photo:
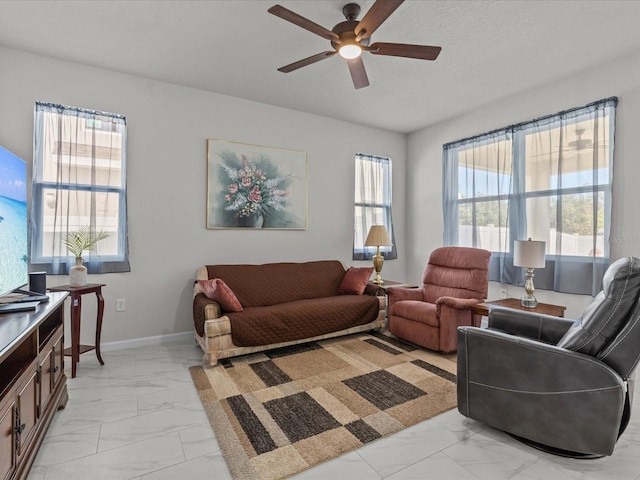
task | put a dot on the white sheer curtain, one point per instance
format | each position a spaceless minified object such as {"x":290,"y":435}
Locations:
{"x":568,"y":178}
{"x":79,"y":179}
{"x":479,"y":199}
{"x":372,"y":204}
{"x":548,"y":179}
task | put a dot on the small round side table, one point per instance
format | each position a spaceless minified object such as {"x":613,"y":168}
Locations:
{"x":76,"y":309}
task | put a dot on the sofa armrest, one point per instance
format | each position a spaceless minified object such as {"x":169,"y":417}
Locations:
{"x":201,"y":274}
{"x":371,"y":289}
{"x":545,"y":328}
{"x":204,"y":309}
{"x":218,"y":326}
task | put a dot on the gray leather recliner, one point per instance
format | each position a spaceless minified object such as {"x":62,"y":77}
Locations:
{"x":560,"y":385}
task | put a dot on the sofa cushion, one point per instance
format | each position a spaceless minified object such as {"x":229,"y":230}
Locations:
{"x":275,"y":283}
{"x":301,"y":319}
{"x":217,"y":290}
{"x":355,"y":280}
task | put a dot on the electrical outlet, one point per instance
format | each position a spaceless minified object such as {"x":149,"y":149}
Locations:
{"x":120,"y":305}
{"x":503,"y":293}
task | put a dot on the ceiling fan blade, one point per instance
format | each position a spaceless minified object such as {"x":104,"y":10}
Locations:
{"x":377,"y":14}
{"x":422,"y":52}
{"x":299,"y":20}
{"x":306,"y":61}
{"x":358,"y":73}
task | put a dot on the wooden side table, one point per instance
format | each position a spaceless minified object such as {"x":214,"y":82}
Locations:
{"x":544,"y":308}
{"x":76,"y":309}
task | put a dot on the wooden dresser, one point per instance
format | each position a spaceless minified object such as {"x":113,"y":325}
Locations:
{"x":33,"y":385}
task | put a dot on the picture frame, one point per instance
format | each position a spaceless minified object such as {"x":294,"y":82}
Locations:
{"x":255,"y":186}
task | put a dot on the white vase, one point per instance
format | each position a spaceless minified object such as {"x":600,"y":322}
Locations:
{"x":78,"y":274}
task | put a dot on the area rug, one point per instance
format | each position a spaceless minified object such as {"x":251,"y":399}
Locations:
{"x":277,"y":413}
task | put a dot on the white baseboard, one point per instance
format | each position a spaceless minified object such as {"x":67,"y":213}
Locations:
{"x":146,"y":341}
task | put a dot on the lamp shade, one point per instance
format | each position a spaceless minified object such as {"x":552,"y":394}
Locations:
{"x":528,"y":253}
{"x":377,"y":236}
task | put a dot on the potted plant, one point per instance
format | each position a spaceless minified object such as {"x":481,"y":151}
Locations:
{"x":77,"y":241}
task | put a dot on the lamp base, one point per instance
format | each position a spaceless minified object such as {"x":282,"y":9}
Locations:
{"x":378,"y":260}
{"x":528,"y":301}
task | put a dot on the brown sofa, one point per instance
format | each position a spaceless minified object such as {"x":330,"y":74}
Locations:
{"x":283,"y":304}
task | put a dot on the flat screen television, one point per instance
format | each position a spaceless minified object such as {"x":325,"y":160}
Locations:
{"x":14,"y":254}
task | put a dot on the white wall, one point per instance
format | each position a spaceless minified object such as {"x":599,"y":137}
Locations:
{"x":167,"y":131}
{"x":424,"y":153}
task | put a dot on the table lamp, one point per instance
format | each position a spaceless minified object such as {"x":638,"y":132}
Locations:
{"x":528,"y":254}
{"x":378,"y":237}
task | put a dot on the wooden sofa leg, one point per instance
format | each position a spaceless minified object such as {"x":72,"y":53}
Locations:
{"x":209,"y":360}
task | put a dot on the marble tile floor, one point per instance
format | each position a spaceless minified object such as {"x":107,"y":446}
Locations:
{"x":139,"y":418}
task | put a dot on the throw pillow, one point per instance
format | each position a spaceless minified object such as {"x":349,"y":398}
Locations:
{"x":217,"y":290}
{"x":355,"y":280}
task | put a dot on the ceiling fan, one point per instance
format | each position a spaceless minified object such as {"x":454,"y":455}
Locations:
{"x":351,"y":37}
{"x":580,"y":143}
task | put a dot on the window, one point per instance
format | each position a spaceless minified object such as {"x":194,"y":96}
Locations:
{"x":79,"y":179}
{"x":372,"y":204}
{"x":548,"y":179}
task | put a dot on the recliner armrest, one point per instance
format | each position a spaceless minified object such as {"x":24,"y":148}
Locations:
{"x":545,"y":328}
{"x":396,"y":294}
{"x":399,"y":293}
{"x":495,"y":357}
{"x":457,"y":303}
{"x":529,"y":380}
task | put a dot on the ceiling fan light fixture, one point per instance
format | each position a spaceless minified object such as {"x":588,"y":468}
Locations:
{"x":350,"y":51}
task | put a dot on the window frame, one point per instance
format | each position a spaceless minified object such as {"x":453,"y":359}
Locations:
{"x":363,"y":252}
{"x":501,"y":264}
{"x":95,"y":263}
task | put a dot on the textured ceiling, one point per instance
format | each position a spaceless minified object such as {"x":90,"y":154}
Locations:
{"x":490,"y":49}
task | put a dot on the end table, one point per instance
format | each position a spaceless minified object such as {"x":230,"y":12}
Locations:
{"x":76,"y":308}
{"x":382,"y":289}
{"x":482,"y":309}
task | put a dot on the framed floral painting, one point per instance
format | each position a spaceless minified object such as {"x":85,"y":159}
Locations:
{"x":251,"y":186}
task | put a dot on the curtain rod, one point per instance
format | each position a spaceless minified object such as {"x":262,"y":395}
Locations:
{"x":516,"y":126}
{"x":60,"y":108}
{"x":368,"y":155}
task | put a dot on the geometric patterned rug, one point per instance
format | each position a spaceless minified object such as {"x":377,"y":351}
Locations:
{"x":280,"y":412}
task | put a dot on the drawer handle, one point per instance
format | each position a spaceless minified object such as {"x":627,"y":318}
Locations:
{"x":20,"y":428}
{"x":55,"y":369}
